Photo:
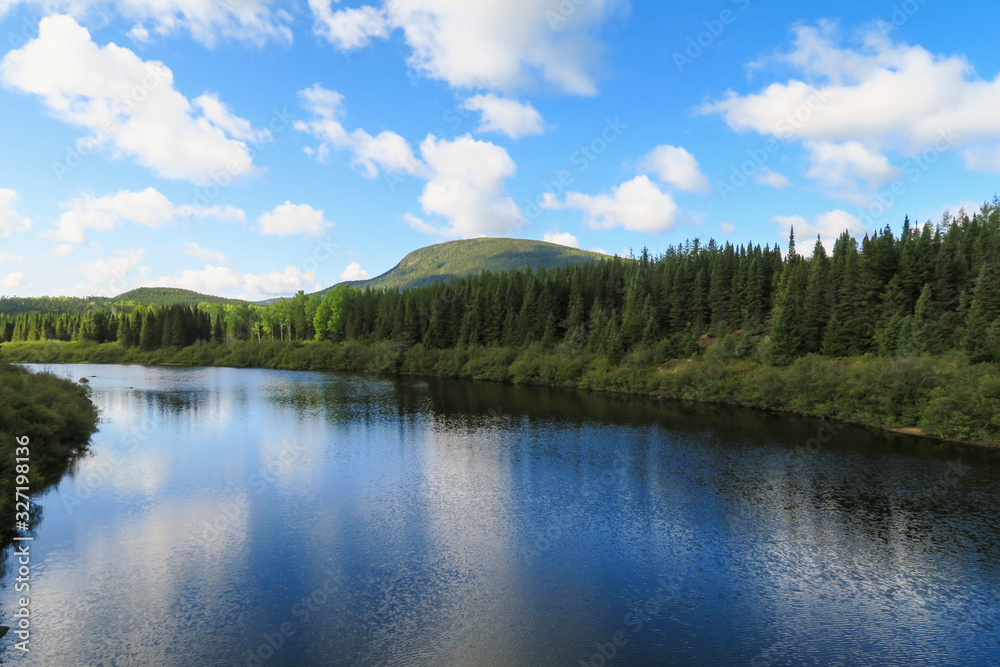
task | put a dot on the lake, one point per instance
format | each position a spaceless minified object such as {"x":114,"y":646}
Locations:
{"x":255,"y":517}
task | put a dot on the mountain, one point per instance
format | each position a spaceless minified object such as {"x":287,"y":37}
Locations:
{"x":150,"y":296}
{"x":168,"y":296}
{"x":461,"y":258}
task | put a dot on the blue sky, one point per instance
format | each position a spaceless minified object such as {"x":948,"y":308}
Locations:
{"x":251,"y":148}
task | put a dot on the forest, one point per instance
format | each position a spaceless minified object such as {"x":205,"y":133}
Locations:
{"x":895,"y":330}
{"x":931,"y":289}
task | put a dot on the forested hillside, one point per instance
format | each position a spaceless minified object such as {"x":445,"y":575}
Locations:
{"x":457,"y":259}
{"x":897,"y":329}
{"x":147,"y":296}
{"x":928,"y":289}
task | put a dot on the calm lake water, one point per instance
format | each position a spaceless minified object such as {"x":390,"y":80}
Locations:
{"x":253,"y":517}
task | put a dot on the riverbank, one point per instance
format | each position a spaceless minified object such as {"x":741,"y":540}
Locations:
{"x":942,"y":397}
{"x":55,"y":418}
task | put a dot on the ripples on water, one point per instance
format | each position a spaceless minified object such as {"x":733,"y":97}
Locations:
{"x":245,"y":517}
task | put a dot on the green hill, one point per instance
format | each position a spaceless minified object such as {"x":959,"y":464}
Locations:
{"x":461,"y":258}
{"x":150,"y":296}
{"x":168,"y":296}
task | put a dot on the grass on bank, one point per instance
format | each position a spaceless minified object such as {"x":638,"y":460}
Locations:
{"x":57,"y":417}
{"x":943,"y":396}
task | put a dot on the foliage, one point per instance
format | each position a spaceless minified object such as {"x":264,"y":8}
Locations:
{"x":58,"y":419}
{"x":456,"y":259}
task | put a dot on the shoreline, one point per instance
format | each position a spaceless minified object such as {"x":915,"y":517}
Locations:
{"x":593,"y":373}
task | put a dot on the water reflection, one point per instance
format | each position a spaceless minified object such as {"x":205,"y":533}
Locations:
{"x":258,"y":517}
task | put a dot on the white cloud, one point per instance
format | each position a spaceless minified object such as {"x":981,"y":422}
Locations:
{"x":354,"y":272}
{"x":218,"y":279}
{"x":387,"y":150}
{"x":828,"y":226}
{"x":420,"y":224}
{"x":148,"y":207}
{"x":465,"y":186}
{"x":129,"y":104}
{"x":290,"y":219}
{"x":638,"y":206}
{"x":487,"y":43}
{"x":599,"y":250}
{"x":210,"y":280}
{"x":727,"y":227}
{"x":289,"y":281}
{"x":465,"y":177}
{"x":351,"y":28}
{"x":110,"y":275}
{"x":840,"y":168}
{"x":63,"y":249}
{"x":7,"y":257}
{"x":563,"y":238}
{"x":499,"y":114}
{"x":885,"y":95}
{"x":11,"y":222}
{"x":772,"y":179}
{"x":676,"y":166}
{"x":207,"y":21}
{"x":15,"y":280}
{"x":192,"y":249}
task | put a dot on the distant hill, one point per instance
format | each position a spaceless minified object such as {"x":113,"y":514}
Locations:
{"x":150,"y":296}
{"x":168,"y":296}
{"x":462,"y":258}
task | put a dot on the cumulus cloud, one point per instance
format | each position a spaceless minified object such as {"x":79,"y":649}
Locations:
{"x":354,"y":272}
{"x":840,"y":169}
{"x":207,"y":21}
{"x":638,"y":206}
{"x":499,"y":114}
{"x":772,"y":179}
{"x":349,"y":28}
{"x":15,"y":280}
{"x":877,"y":94}
{"x":11,"y":221}
{"x":129,"y":104}
{"x":386,"y":150}
{"x":727,"y":228}
{"x":192,"y":249}
{"x":290,"y":219}
{"x":465,"y":186}
{"x":7,"y":257}
{"x":149,"y":208}
{"x":464,"y":176}
{"x":562,"y":238}
{"x":484,"y":44}
{"x":215,"y":279}
{"x":110,"y":275}
{"x":675,"y":166}
{"x":827,"y":226}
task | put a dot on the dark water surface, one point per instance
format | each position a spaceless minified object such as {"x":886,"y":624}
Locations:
{"x":253,"y":517}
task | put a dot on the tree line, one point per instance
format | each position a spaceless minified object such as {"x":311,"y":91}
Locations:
{"x":929,"y":289}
